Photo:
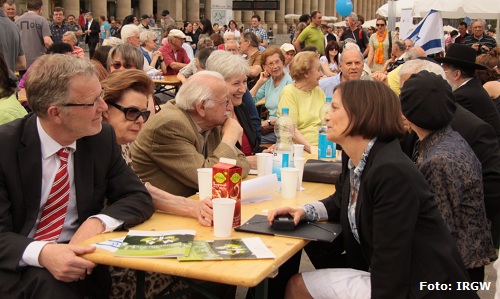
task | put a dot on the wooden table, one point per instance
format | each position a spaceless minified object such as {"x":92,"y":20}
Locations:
{"x":169,"y":80}
{"x":247,"y":273}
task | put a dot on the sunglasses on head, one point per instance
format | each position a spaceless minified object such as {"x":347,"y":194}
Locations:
{"x":118,"y":65}
{"x":132,"y":113}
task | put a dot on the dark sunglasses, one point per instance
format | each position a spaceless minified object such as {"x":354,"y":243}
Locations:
{"x":132,"y":113}
{"x":118,"y":65}
{"x":380,"y":25}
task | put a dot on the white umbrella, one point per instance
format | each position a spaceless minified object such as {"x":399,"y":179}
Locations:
{"x":401,"y":4}
{"x":292,"y":16}
{"x":339,"y":24}
{"x":329,"y":18}
{"x":449,"y":28}
{"x":455,"y":9}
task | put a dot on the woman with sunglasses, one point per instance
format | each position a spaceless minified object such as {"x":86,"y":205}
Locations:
{"x":127,"y":94}
{"x":330,"y":61}
{"x":379,"y":49}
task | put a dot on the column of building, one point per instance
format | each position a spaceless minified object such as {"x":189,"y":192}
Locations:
{"x":146,"y":7}
{"x":193,"y":10}
{"x":98,"y":8}
{"x":71,"y":7}
{"x":123,"y":9}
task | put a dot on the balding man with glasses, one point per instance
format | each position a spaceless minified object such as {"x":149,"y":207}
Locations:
{"x":63,"y":180}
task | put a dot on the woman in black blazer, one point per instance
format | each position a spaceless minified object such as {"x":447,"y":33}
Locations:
{"x":389,"y":219}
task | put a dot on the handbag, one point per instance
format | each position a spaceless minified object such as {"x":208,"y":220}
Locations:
{"x":319,"y":171}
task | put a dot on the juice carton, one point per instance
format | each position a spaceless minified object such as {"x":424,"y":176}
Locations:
{"x":226,"y":183}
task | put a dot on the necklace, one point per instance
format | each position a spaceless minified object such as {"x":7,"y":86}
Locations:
{"x":303,"y":88}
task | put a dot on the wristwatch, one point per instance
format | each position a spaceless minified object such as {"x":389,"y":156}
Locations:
{"x":268,"y":122}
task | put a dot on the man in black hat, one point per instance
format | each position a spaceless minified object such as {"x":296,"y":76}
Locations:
{"x":478,"y":40}
{"x":144,"y":25}
{"x":166,"y":20}
{"x":459,"y":66}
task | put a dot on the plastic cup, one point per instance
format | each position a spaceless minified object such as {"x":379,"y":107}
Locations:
{"x":289,"y":180}
{"x":223,"y":216}
{"x":298,"y":150}
{"x":205,"y":182}
{"x":264,"y":163}
{"x":299,"y":164}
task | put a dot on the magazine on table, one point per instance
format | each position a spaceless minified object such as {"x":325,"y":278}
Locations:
{"x":233,"y":249}
{"x":156,"y":244}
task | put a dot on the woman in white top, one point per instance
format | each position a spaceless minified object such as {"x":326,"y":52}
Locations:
{"x":233,"y":27}
{"x":330,"y":61}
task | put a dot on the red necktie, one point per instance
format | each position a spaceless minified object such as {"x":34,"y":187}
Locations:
{"x":54,"y":212}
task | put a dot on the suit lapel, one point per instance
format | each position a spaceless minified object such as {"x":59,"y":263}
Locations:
{"x":83,"y":165}
{"x":30,"y":169}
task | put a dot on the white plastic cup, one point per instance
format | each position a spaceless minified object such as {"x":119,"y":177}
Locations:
{"x":299,"y":164}
{"x":223,"y":216}
{"x":205,"y":182}
{"x":289,"y":180}
{"x":298,"y":150}
{"x":264,"y":164}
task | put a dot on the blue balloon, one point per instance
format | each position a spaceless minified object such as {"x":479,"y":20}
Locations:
{"x":344,"y":7}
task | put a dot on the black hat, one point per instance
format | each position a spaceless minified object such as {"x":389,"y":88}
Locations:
{"x":144,"y":17}
{"x":427,"y":101}
{"x":165,"y":12}
{"x":462,"y":56}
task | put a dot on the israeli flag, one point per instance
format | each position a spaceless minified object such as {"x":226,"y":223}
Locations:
{"x":429,"y":33}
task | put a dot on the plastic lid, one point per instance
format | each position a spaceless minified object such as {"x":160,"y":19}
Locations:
{"x":285,"y":111}
{"x":328,"y":99}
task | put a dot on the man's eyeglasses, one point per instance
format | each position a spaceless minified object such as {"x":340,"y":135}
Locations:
{"x":86,"y":105}
{"x":380,"y":25}
{"x":132,"y":113}
{"x":118,"y":64}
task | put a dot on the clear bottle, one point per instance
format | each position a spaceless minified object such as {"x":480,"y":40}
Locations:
{"x":283,"y":149}
{"x":326,"y":149}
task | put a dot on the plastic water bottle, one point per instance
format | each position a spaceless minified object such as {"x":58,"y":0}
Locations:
{"x":283,"y":149}
{"x":326,"y":149}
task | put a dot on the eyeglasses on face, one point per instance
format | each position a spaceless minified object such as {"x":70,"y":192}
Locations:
{"x":86,"y":105}
{"x":118,"y":65}
{"x":131,"y":113}
{"x":380,"y":25}
{"x":277,"y":62}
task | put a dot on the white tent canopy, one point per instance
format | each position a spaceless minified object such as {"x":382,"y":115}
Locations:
{"x":455,"y":9}
{"x":400,"y":5}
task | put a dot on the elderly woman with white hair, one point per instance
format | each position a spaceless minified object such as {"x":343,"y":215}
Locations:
{"x":148,"y":48}
{"x":70,"y":39}
{"x":234,"y":69}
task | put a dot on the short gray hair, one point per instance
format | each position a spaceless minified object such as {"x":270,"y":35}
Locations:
{"x":199,"y":87}
{"x":414,"y":52}
{"x":71,"y":35}
{"x":346,"y":50}
{"x":49,"y":80}
{"x":128,"y":31}
{"x":227,"y":64}
{"x":353,"y":16}
{"x":417,"y":65}
{"x":129,"y":54}
{"x":146,"y":36}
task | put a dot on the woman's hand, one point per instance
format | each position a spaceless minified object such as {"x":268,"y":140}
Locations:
{"x":264,"y":77}
{"x":297,"y":214}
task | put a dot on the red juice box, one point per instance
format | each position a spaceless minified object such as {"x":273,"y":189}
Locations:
{"x":226,"y":183}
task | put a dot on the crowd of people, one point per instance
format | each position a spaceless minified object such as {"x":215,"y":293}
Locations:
{"x":98,"y":148}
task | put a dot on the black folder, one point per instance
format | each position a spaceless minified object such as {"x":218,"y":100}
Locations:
{"x":314,"y":231}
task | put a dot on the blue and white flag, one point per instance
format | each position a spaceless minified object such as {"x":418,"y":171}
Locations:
{"x":429,"y":33}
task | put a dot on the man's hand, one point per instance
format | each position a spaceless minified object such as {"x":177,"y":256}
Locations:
{"x":91,"y":227}
{"x":64,"y":263}
{"x":231,"y":131}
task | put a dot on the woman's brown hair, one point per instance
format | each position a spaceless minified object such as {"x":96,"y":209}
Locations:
{"x":373,"y":109}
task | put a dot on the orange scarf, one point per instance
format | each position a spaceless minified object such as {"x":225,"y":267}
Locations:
{"x":379,"y":54}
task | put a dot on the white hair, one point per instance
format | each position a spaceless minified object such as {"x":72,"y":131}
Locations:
{"x":227,"y":64}
{"x":417,"y":65}
{"x":128,"y":31}
{"x":147,"y":35}
{"x":112,"y":41}
{"x":201,"y":86}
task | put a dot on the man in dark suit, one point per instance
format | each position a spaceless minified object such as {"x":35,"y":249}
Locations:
{"x":92,"y":30}
{"x":62,"y":158}
{"x":459,"y":66}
